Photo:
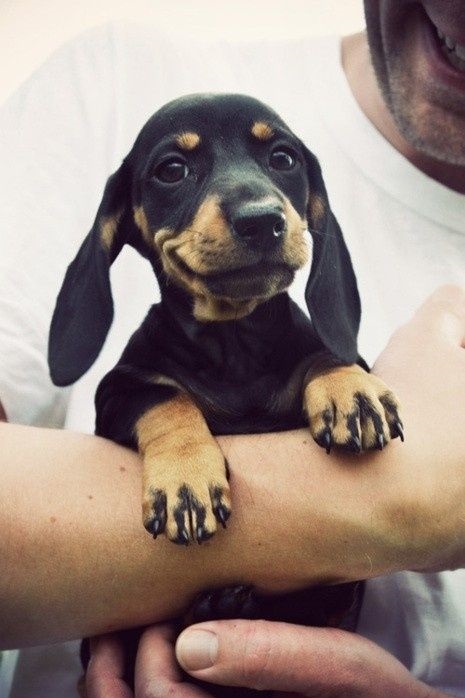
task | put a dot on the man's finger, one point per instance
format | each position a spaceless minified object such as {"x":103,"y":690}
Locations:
{"x":104,"y":676}
{"x":157,"y":671}
{"x":262,"y":655}
{"x":283,"y":657}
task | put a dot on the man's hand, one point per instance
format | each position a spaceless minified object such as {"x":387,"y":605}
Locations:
{"x":424,"y":363}
{"x":286,"y":659}
{"x":289,"y":659}
{"x":157,"y":674}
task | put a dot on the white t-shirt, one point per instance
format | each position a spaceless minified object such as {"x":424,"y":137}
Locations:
{"x":69,"y":127}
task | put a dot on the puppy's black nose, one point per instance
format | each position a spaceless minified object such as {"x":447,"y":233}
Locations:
{"x":259,"y":225}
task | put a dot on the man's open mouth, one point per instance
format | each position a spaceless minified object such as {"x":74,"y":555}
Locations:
{"x":451,"y":48}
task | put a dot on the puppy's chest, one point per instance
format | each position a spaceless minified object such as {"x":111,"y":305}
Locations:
{"x":257,"y":403}
{"x":247,"y":376}
{"x":250,"y":382}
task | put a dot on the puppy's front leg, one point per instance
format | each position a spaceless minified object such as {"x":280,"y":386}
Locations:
{"x":349,"y":408}
{"x":185,"y":487}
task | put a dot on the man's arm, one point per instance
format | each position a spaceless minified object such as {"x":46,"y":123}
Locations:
{"x":77,"y":561}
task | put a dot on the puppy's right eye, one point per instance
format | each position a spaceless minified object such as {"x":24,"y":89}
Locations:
{"x":171,"y":171}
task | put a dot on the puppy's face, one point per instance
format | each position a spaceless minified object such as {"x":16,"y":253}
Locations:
{"x":221,"y":195}
{"x":218,"y":193}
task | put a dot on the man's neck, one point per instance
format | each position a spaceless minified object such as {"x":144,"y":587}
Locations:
{"x":360,"y":75}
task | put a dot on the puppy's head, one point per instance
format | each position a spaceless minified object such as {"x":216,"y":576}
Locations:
{"x":219,"y":195}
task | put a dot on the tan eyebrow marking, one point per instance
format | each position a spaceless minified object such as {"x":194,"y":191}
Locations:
{"x":262,"y":131}
{"x":188,"y":140}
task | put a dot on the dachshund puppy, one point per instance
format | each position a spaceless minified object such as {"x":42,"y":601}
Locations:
{"x":226,"y":204}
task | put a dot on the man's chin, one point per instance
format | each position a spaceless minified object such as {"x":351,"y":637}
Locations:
{"x":431,"y":130}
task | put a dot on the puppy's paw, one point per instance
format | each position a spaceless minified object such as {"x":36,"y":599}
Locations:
{"x":220,"y":604}
{"x":351,"y":409}
{"x":186,"y":498}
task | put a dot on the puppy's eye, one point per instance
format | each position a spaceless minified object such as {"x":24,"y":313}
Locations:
{"x":171,"y":171}
{"x":282,"y":159}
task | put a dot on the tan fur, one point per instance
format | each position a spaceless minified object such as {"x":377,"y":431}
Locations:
{"x":334,"y":393}
{"x":316,"y":209}
{"x":262,"y":131}
{"x":207,"y":246}
{"x":108,"y":227}
{"x":178,"y":450}
{"x":209,"y":309}
{"x":142,"y":223}
{"x":188,"y":140}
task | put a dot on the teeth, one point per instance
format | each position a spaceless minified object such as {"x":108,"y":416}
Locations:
{"x":454,"y":51}
{"x":460,"y":51}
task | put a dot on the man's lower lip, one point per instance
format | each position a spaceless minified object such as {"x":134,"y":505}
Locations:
{"x":439,"y":67}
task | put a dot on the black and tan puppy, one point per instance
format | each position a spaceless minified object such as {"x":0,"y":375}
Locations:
{"x":226,"y":203}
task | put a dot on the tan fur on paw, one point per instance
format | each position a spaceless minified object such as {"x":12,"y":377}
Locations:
{"x":352,"y":410}
{"x":186,"y":494}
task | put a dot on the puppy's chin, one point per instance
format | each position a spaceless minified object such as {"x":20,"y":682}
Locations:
{"x":254,"y":283}
{"x":235,"y":294}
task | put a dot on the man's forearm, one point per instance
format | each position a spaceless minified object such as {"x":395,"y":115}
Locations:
{"x":77,"y":560}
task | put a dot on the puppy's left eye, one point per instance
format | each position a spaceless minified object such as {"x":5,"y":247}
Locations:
{"x":282,"y":159}
{"x":171,"y":171}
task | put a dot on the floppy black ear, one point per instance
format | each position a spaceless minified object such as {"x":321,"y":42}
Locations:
{"x":331,"y":293}
{"x":84,"y":307}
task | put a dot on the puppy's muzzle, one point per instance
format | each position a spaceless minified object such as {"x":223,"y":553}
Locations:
{"x":259,"y":227}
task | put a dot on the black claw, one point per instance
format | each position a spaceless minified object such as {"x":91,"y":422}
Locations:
{"x":157,"y":525}
{"x":354,"y":445}
{"x":183,"y":538}
{"x":380,"y":441}
{"x":326,"y":439}
{"x":222,"y":514}
{"x":203,"y":535}
{"x":399,"y":430}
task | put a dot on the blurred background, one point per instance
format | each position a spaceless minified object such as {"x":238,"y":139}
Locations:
{"x":31,"y":29}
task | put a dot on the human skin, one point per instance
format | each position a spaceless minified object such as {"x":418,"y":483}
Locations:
{"x":257,"y":654}
{"x":408,"y":93}
{"x":77,"y":562}
{"x":424,"y":358}
{"x":286,"y":659}
{"x":405,"y":89}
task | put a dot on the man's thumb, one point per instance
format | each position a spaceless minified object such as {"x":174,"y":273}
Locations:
{"x":263,"y":655}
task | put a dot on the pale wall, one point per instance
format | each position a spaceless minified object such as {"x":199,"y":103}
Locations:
{"x":31,"y":29}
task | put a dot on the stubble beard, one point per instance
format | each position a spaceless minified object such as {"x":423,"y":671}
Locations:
{"x":429,"y":122}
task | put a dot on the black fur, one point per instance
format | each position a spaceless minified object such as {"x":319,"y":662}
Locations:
{"x":246,"y":375}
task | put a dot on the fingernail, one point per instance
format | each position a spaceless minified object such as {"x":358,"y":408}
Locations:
{"x":196,"y":649}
